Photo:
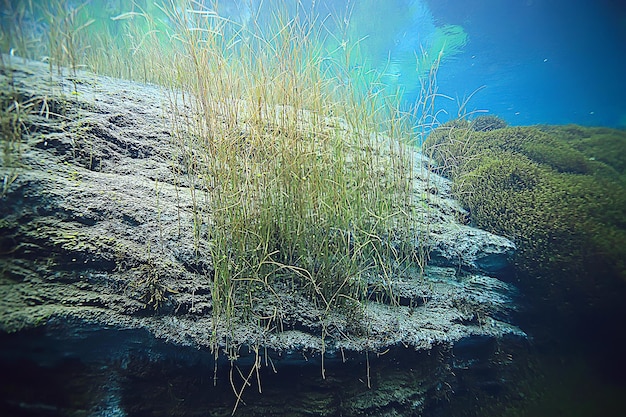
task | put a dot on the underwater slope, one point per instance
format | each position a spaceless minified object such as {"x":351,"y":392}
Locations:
{"x":99,"y":264}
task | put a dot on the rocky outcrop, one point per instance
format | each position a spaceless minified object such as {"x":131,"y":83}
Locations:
{"x":99,"y":264}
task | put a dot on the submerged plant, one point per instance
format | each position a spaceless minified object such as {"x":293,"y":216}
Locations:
{"x":19,"y":32}
{"x":292,"y":189}
{"x":549,"y":190}
{"x":299,"y":166}
{"x":66,"y":27}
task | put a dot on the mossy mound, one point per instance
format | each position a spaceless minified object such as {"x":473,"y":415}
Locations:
{"x":558,"y":191}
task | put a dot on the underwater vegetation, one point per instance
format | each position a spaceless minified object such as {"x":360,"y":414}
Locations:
{"x":558,"y":191}
{"x":299,"y":171}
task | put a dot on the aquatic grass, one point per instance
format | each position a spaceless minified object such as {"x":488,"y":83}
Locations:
{"x":131,"y":42}
{"x":66,"y":27}
{"x":291,"y":186}
{"x":15,"y":109}
{"x":11,"y":131}
{"x":299,"y":164}
{"x":19,"y":35}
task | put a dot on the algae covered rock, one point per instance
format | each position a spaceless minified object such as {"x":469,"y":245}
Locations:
{"x":100,"y":264}
{"x":557,"y":191}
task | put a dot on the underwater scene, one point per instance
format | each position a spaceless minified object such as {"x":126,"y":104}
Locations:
{"x":312,"y":208}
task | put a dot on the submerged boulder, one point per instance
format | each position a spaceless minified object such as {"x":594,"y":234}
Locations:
{"x":102,"y":280}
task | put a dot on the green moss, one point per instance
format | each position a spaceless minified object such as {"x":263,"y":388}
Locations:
{"x":557,"y":156}
{"x":604,"y":148}
{"x":556,"y":191}
{"x":487,"y":123}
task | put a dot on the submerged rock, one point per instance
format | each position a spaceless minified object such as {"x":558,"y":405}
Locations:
{"x":100,"y":267}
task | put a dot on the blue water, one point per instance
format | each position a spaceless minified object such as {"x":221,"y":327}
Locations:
{"x":532,"y":61}
{"x":541,"y":61}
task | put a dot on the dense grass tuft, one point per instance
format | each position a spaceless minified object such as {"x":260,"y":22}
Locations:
{"x":300,"y":167}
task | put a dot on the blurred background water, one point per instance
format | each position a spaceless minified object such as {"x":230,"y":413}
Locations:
{"x":541,"y":61}
{"x":527,"y":61}
{"x":534,"y":61}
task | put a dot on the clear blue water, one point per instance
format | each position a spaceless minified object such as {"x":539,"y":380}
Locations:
{"x":533,"y":61}
{"x":541,"y":61}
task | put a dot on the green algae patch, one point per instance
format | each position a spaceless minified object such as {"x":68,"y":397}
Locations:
{"x":558,"y":191}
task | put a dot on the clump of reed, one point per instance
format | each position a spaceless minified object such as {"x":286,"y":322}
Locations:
{"x":297,"y":163}
{"x":19,"y":31}
{"x":289,"y":176}
{"x":11,"y":131}
{"x":66,"y":26}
